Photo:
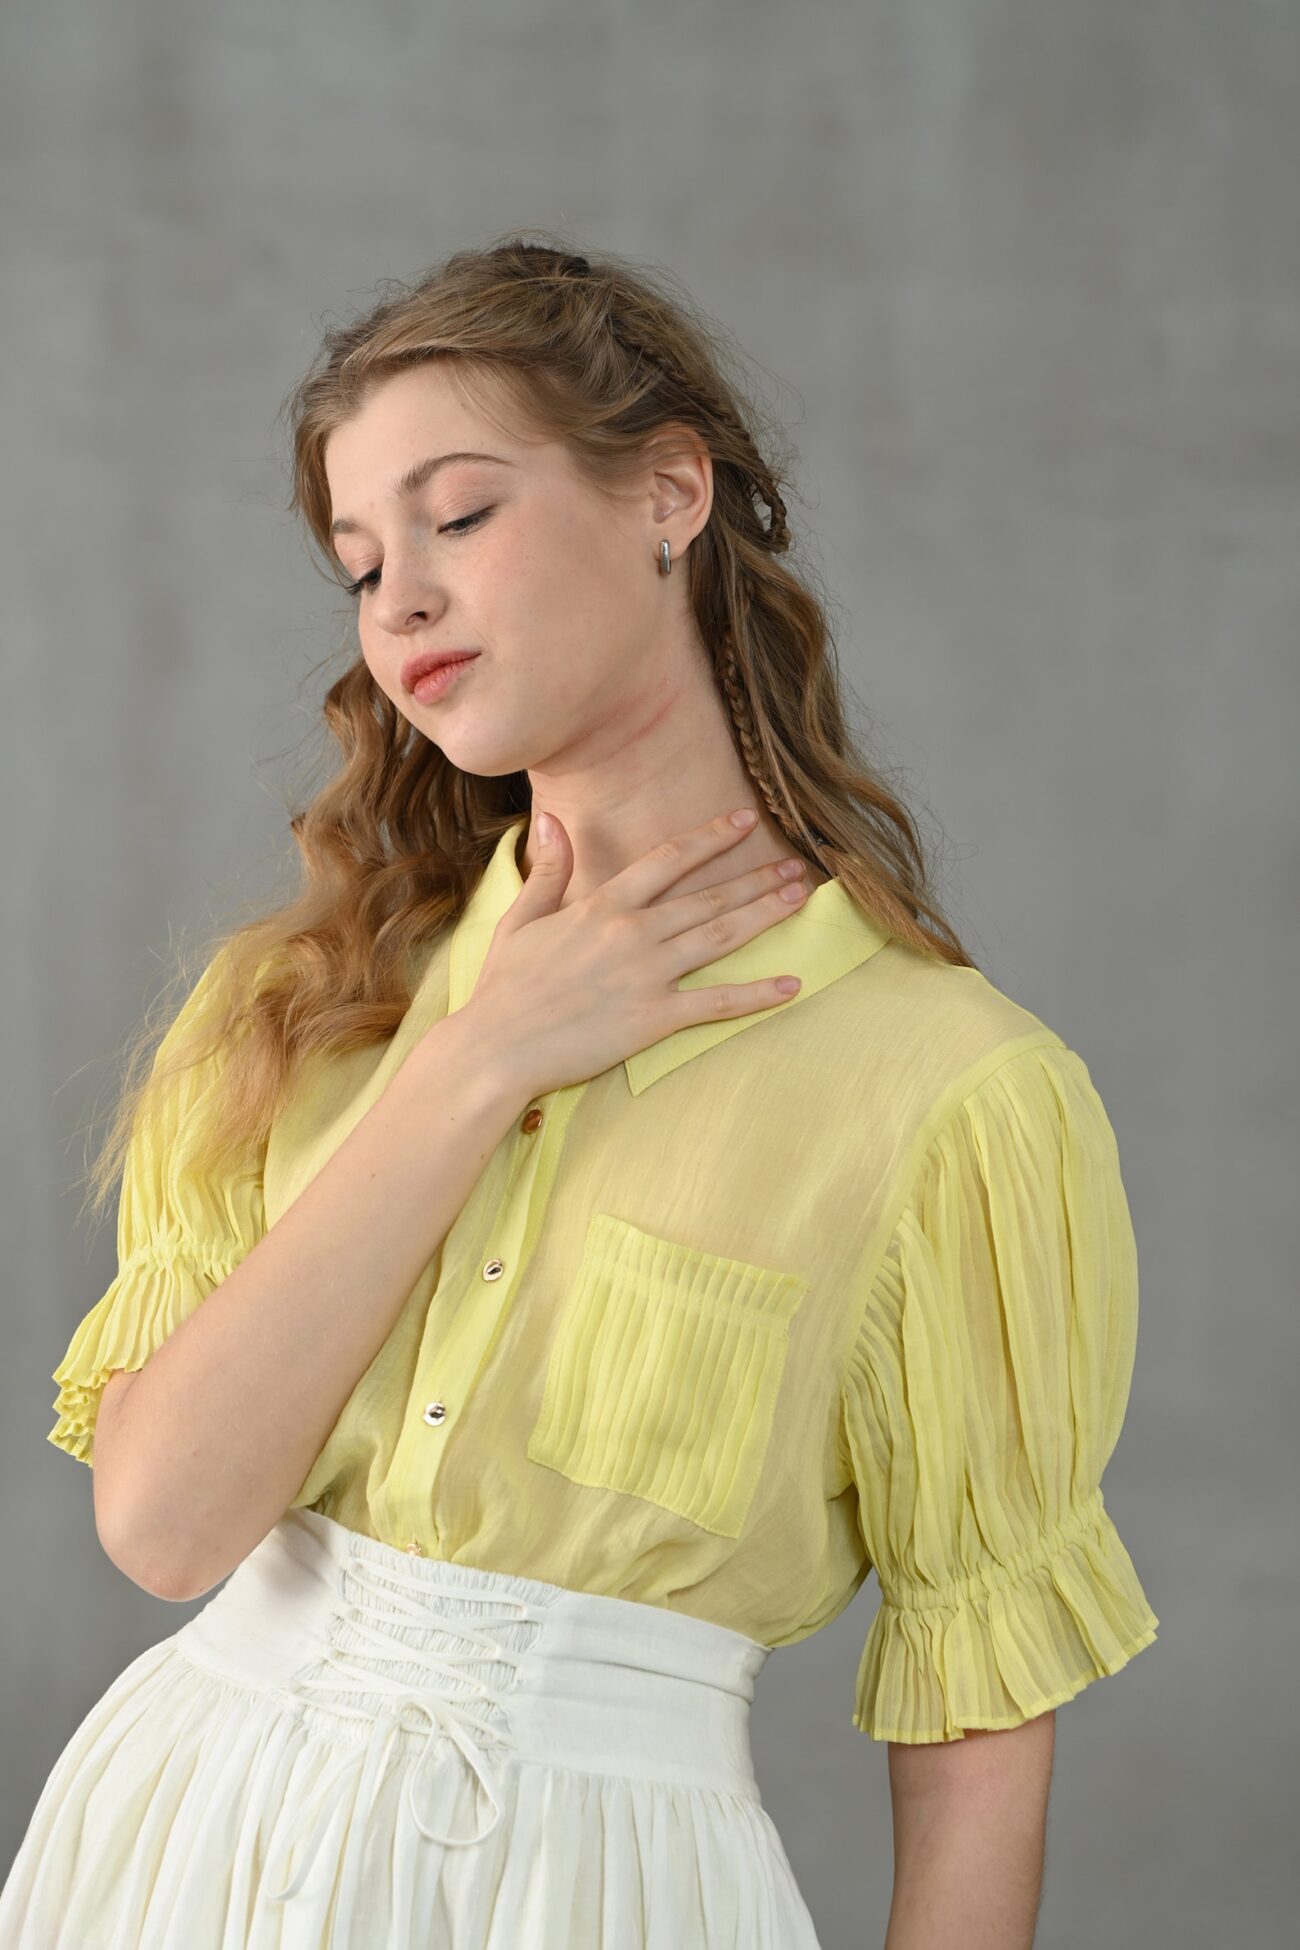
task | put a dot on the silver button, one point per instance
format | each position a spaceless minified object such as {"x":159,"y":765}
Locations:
{"x":435,"y":1412}
{"x":494,"y":1269}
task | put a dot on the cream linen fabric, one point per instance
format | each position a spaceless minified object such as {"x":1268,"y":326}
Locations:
{"x":356,"y":1748}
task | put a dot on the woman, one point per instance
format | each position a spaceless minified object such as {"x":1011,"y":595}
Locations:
{"x":586,"y":1315}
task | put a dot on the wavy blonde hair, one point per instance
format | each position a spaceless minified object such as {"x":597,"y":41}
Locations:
{"x":616,"y":363}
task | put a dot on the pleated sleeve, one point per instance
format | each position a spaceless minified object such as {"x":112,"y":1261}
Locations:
{"x":181,"y":1229}
{"x":983,"y":1396}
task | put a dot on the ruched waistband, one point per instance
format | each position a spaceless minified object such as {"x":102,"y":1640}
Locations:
{"x":362,"y":1638}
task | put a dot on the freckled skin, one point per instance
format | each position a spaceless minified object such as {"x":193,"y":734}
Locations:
{"x":591,"y":675}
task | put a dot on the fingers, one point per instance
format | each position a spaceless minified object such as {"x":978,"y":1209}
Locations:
{"x":677,"y":912}
{"x":664,"y":865}
{"x":727,"y":999}
{"x":548,"y":874}
{"x":727,"y":925}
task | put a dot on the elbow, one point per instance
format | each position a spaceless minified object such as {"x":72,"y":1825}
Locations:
{"x":123,"y":1549}
{"x":124,"y":1531}
{"x":130,"y":1543}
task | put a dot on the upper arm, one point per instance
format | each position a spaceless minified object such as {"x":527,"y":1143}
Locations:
{"x":984,"y":1394}
{"x":116,"y":1389}
{"x":970,"y":1834}
{"x":103,"y":1475}
{"x":186,"y":1217}
{"x":1005,"y":1762}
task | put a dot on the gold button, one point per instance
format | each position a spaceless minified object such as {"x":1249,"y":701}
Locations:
{"x":434,"y":1413}
{"x":415,"y":1548}
{"x":531,"y":1119}
{"x":494,"y":1269}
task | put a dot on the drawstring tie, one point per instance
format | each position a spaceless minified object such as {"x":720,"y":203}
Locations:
{"x":453,"y":1717}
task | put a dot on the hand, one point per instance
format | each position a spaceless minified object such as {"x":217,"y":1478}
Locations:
{"x":565,"y":993}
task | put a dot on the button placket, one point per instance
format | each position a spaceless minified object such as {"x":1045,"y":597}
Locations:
{"x":468,"y":1330}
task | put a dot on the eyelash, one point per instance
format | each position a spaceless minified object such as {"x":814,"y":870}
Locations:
{"x":461,"y":527}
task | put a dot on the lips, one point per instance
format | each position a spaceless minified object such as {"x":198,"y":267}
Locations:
{"x":417,"y":667}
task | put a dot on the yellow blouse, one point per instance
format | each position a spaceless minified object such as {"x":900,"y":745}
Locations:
{"x":848,"y":1283}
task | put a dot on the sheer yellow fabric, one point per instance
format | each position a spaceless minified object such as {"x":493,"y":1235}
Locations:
{"x":180,"y":1231}
{"x":984,"y":1395}
{"x":845,"y":1283}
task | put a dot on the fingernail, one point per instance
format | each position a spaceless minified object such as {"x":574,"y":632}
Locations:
{"x":745,"y":817}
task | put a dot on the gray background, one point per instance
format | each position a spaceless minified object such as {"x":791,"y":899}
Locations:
{"x":1025,"y":278}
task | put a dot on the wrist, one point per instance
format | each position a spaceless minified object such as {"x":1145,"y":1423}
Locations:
{"x":488,"y":1067}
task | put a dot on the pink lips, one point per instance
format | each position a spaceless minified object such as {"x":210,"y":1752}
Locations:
{"x":419,"y":666}
{"x":439,"y":678}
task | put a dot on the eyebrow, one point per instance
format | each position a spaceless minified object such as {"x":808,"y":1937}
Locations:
{"x":417,"y":477}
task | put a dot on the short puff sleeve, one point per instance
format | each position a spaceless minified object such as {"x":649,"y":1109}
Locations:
{"x":981,"y":1400}
{"x":181,"y":1229}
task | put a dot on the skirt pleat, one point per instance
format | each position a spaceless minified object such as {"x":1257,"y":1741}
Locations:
{"x":187,"y":1795}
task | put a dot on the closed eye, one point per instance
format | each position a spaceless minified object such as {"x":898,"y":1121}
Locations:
{"x":462,"y":527}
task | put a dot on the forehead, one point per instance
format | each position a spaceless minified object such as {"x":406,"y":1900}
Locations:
{"x":408,"y":416}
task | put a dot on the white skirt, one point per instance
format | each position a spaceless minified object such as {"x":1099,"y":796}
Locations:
{"x":356,"y":1747}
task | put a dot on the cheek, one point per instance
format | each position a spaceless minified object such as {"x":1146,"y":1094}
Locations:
{"x":373,"y":661}
{"x":383,"y":669}
{"x":584,"y":619}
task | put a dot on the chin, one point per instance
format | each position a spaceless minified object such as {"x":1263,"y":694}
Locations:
{"x":481,"y":760}
{"x":487,"y":745}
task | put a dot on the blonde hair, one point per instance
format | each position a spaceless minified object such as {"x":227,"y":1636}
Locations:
{"x":610,"y":360}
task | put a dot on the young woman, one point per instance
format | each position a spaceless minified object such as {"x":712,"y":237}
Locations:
{"x":571,"y":1244}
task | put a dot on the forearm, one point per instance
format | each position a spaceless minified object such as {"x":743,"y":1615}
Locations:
{"x":968,"y":1868}
{"x":222,"y":1425}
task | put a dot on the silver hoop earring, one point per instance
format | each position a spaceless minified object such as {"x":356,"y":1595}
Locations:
{"x":665,"y":562}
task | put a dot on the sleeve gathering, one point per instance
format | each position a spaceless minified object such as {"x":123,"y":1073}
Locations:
{"x":983,"y":1395}
{"x":181,"y":1229}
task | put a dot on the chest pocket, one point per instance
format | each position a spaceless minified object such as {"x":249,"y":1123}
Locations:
{"x":663,"y":1374}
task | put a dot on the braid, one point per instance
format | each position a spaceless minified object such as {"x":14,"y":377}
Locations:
{"x":777,"y":533}
{"x":720,"y":410}
{"x":573,"y":264}
{"x":735,"y":689}
{"x":754,"y":469}
{"x":730,"y":672}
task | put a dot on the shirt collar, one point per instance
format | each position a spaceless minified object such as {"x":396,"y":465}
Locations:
{"x":819,"y":942}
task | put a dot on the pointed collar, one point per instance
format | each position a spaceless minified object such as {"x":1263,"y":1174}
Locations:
{"x":819,"y":942}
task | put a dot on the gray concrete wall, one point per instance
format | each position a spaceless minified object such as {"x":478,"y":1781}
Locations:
{"x":1027,"y":278}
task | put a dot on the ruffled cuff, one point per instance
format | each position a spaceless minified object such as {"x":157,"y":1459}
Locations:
{"x":1008,"y":1643}
{"x":157,"y":1287}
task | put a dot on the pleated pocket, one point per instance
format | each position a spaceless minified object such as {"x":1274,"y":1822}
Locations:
{"x":664,"y":1373}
